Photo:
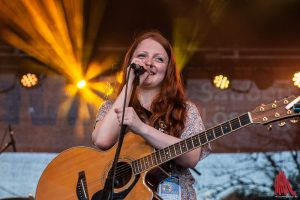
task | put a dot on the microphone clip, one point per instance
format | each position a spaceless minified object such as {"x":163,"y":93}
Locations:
{"x":138,"y":69}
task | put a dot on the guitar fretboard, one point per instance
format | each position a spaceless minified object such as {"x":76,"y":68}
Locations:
{"x":168,"y":153}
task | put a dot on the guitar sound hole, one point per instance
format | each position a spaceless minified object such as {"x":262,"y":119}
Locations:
{"x":123,"y":174}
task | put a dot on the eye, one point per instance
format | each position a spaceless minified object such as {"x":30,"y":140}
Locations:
{"x":159,"y":59}
{"x":141,"y":55}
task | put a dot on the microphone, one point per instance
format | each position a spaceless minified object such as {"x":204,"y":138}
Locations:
{"x":138,"y":69}
{"x":12,"y":139}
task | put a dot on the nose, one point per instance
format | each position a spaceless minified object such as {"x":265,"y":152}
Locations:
{"x":148,"y":62}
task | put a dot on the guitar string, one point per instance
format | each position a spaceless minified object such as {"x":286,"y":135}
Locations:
{"x":121,"y":170}
{"x":125,"y":168}
{"x":189,"y":143}
{"x":217,"y":130}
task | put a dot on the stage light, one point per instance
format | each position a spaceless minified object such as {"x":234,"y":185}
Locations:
{"x":296,"y":79}
{"x":29,"y":80}
{"x":222,"y":82}
{"x":81,"y":84}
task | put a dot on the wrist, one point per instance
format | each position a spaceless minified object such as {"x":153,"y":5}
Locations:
{"x":144,"y":128}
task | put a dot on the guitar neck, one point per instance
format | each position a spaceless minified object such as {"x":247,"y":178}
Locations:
{"x":168,"y":153}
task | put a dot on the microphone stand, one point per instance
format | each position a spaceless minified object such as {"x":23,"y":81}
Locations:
{"x":108,"y":190}
{"x":12,"y":141}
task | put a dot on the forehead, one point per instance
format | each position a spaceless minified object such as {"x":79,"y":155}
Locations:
{"x":151,"y":46}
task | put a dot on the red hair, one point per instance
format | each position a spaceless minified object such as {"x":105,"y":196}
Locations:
{"x":169,"y":105}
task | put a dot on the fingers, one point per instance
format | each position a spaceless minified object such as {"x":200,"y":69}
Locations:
{"x":129,"y":113}
{"x":131,"y":119}
{"x":138,"y":61}
{"x":119,"y":112}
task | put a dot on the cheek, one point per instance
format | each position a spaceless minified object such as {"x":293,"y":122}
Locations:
{"x":162,"y":74}
{"x":162,"y":70}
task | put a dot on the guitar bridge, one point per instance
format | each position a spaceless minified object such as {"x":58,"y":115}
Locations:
{"x":81,"y":189}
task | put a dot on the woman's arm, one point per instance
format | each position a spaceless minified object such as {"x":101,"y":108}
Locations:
{"x":106,"y":131}
{"x":161,"y":140}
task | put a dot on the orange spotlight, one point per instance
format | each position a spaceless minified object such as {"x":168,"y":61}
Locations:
{"x":81,"y":84}
{"x":296,"y":79}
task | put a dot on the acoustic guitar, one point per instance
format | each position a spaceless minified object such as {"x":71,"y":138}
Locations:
{"x":80,"y":173}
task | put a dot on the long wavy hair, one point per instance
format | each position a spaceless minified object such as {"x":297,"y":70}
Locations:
{"x":169,"y":106}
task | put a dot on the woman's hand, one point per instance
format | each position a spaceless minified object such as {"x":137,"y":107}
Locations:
{"x":131,"y":119}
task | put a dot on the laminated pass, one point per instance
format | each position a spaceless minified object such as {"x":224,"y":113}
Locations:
{"x":169,"y":189}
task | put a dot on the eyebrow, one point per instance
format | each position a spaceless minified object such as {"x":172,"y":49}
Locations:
{"x":166,"y":57}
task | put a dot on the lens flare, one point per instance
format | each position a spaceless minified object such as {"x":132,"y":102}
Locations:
{"x":188,"y":32}
{"x":81,"y":84}
{"x":60,"y":34}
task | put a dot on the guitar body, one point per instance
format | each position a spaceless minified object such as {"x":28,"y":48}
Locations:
{"x":79,"y":173}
